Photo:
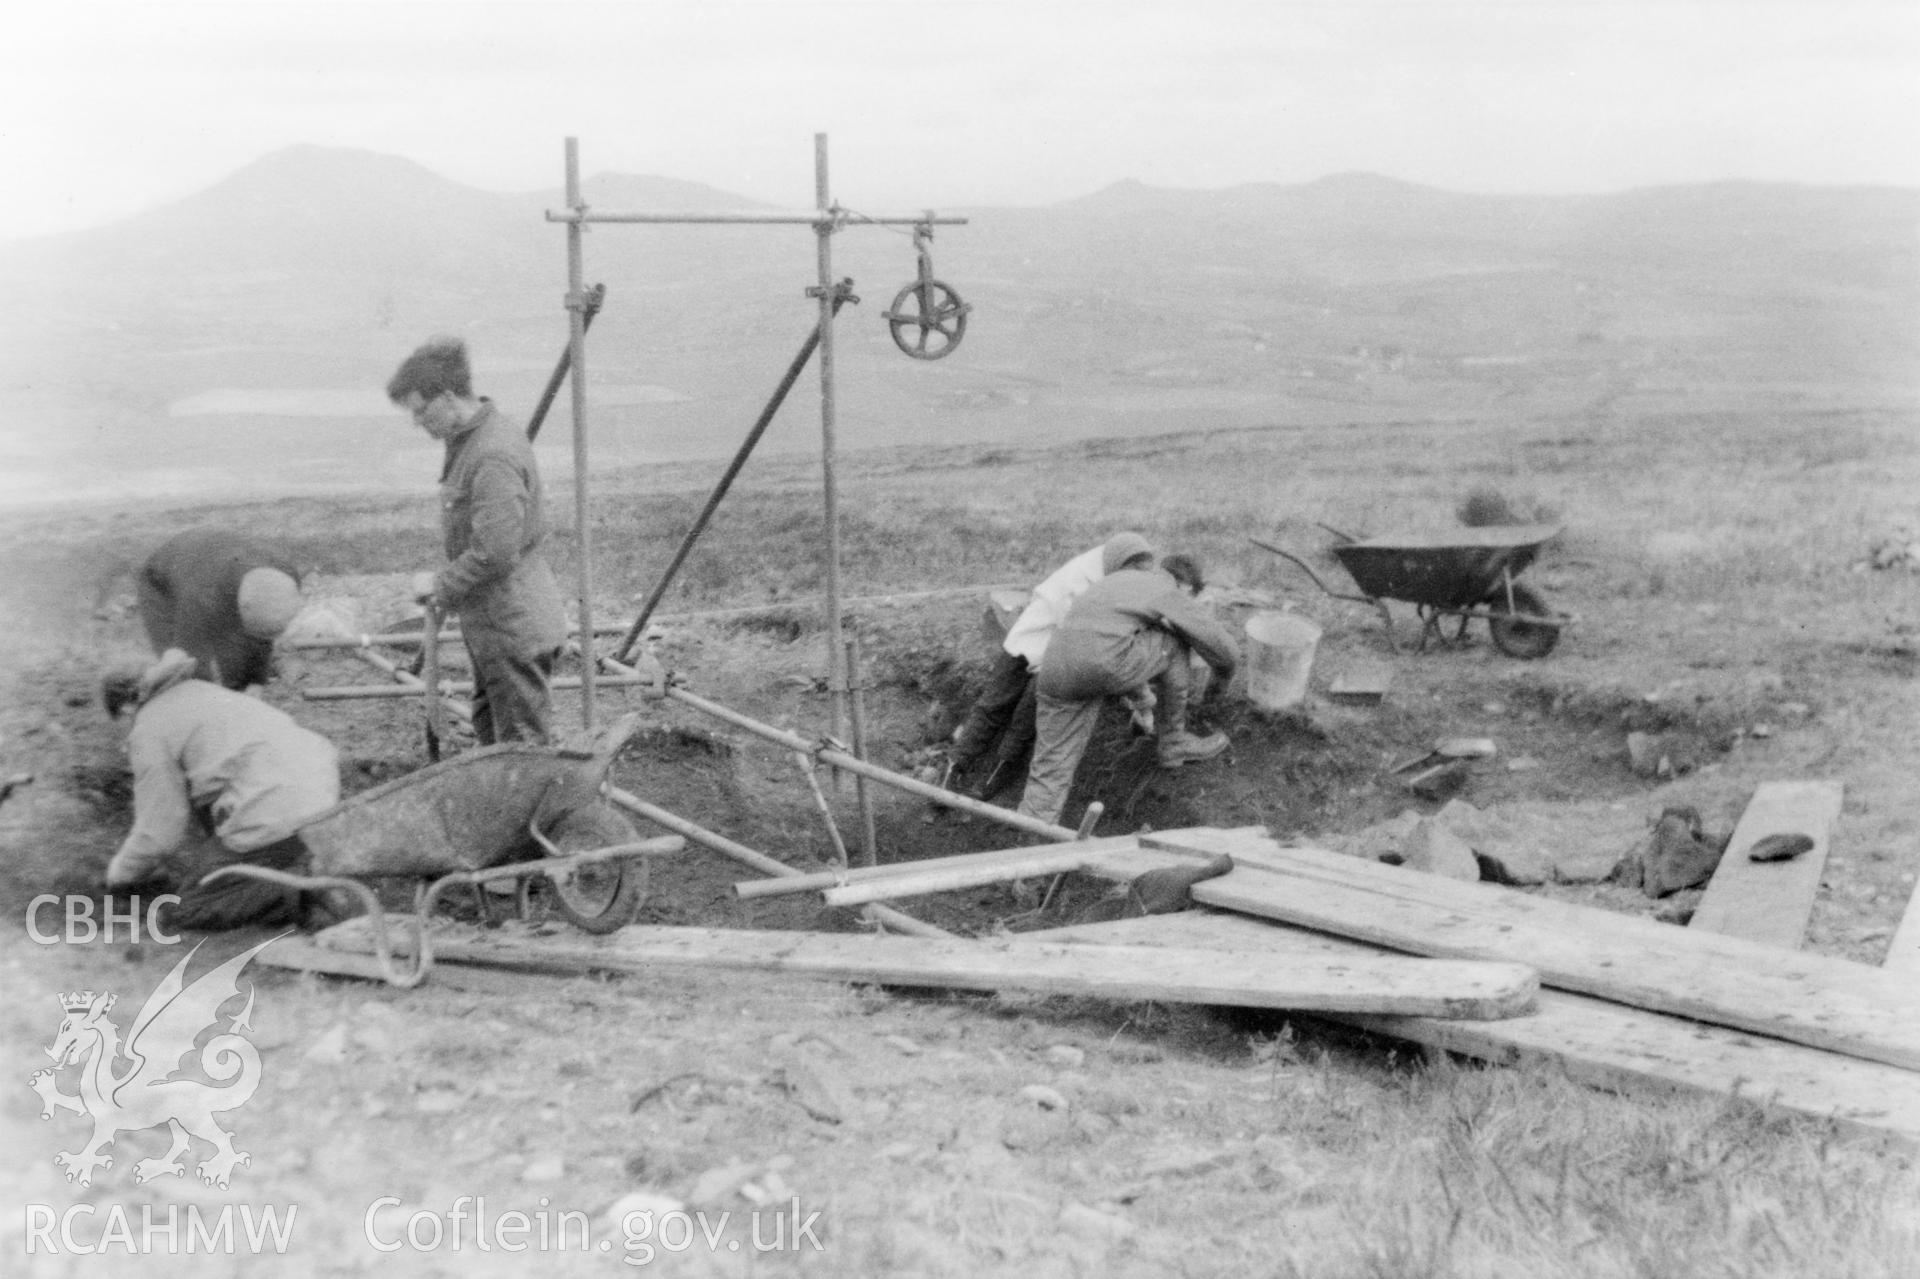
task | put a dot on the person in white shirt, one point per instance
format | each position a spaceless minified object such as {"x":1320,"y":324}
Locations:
{"x":1002,"y":719}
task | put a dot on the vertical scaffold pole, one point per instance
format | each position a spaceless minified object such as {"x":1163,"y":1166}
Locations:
{"x":823,"y":230}
{"x":577,"y":350}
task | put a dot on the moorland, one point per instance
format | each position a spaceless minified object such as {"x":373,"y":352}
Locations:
{"x":1711,"y":390}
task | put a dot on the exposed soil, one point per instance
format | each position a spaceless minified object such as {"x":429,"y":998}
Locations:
{"x":522,"y":1087}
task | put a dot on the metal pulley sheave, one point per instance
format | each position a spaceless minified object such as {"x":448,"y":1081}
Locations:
{"x":927,"y":317}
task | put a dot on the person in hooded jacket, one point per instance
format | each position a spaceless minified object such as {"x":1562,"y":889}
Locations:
{"x":218,"y":777}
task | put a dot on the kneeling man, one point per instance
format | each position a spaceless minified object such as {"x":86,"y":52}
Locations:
{"x":218,"y":777}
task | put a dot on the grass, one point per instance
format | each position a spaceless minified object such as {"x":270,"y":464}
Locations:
{"x":1708,"y":558}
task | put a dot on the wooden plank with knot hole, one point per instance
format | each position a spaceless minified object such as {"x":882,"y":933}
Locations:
{"x":1827,"y":1003}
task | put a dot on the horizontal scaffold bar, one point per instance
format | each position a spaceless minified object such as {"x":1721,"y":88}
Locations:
{"x":459,"y":688}
{"x":799,"y":603}
{"x":806,"y":217}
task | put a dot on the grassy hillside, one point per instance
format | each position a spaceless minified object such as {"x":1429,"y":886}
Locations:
{"x":236,"y":340}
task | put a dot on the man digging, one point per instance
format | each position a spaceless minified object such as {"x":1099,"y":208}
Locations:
{"x":497,"y":577}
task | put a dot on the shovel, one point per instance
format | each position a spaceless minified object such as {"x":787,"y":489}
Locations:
{"x":1447,"y":753}
{"x":1448,"y":749}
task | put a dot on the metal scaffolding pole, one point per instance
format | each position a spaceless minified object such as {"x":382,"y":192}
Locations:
{"x":823,"y":232}
{"x":825,"y":219}
{"x":577,"y":303}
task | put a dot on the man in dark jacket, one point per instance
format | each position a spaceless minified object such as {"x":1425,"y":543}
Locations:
{"x":1130,"y":629}
{"x":222,"y":596}
{"x":497,"y":577}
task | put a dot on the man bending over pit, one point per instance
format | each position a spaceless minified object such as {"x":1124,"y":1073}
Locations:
{"x":222,"y":596}
{"x":1003,"y":720}
{"x":1130,"y":629}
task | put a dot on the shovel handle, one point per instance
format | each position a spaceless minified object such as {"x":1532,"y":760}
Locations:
{"x":430,"y":676}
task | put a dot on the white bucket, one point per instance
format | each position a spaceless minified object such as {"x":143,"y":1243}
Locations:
{"x":1280,"y":648}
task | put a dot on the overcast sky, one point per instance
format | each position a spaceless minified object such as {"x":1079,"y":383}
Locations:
{"x":108,"y":109}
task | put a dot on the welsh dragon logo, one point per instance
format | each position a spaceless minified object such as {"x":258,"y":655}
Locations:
{"x":151,"y":1088}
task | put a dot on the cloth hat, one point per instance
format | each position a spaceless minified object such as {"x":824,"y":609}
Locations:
{"x":268,"y":601}
{"x":1122,"y":547}
{"x":173,"y":667}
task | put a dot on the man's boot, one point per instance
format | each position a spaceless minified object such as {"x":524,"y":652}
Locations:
{"x":1185,"y":748}
{"x":1140,"y":703}
{"x":1177,"y":746}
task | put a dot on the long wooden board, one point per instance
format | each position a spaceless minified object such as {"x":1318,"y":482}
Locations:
{"x":1770,"y":902}
{"x":818,"y":881}
{"x":1055,"y":859}
{"x":1825,"y":1003}
{"x":1595,"y":1042}
{"x":1355,"y":983}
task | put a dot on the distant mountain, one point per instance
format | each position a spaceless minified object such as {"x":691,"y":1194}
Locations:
{"x":310,"y":271}
{"x":636,"y":193}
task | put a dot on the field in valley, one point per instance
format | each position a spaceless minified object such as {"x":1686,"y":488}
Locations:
{"x":1716,"y":554}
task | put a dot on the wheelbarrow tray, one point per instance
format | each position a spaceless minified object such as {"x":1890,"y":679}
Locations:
{"x":467,"y":813}
{"x":1456,"y":569}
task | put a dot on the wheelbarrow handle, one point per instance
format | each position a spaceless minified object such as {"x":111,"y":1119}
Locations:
{"x":1376,"y":604}
{"x":1308,"y":570}
{"x":383,"y":949}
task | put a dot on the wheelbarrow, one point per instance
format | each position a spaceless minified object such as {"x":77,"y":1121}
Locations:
{"x":512,"y":815}
{"x":1464,"y":573}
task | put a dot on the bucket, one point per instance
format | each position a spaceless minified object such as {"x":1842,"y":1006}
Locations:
{"x":1280,"y":649}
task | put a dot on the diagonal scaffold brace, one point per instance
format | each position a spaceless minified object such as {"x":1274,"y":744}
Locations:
{"x":590,"y":307}
{"x":842,"y":294}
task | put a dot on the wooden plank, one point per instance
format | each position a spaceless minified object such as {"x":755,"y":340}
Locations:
{"x":1903,"y":952}
{"x":1595,"y":1042}
{"x":1770,"y":902}
{"x":815,"y":881}
{"x":1056,"y":859}
{"x":1369,"y":983}
{"x":303,"y":955}
{"x":1826,"y":1003}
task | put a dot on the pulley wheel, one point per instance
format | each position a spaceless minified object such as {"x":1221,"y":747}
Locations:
{"x":927,"y":319}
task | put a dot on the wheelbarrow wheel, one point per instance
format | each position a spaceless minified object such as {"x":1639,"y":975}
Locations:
{"x":602,"y":896}
{"x":1513,"y":634}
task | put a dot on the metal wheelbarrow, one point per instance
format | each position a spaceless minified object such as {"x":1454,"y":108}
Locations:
{"x":510,"y":815}
{"x":1464,"y":573}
